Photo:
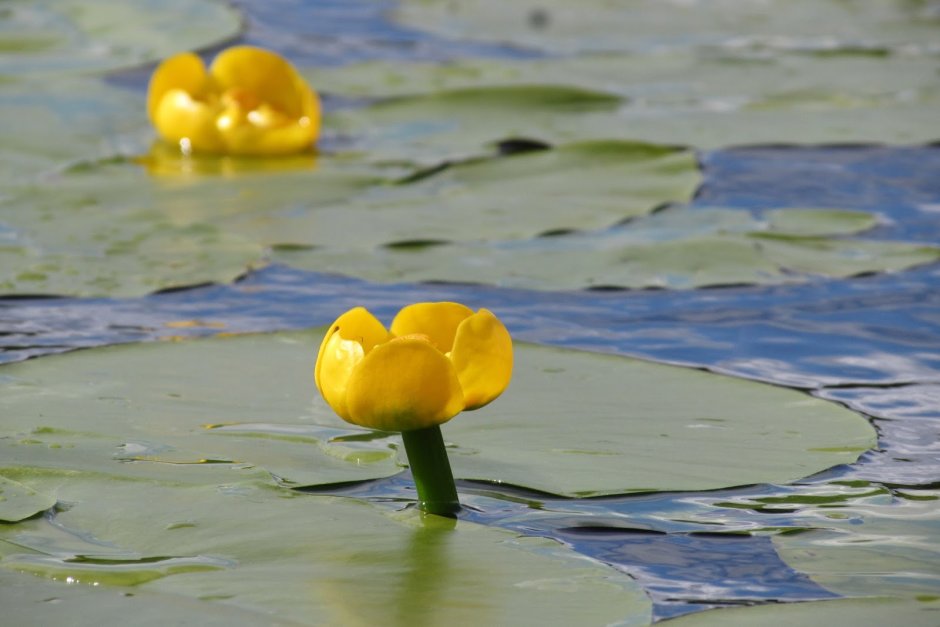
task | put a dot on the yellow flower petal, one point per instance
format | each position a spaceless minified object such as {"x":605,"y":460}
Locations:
{"x":252,"y":140}
{"x":266,"y":74}
{"x":184,"y":71}
{"x":402,"y":385}
{"x":335,"y":365}
{"x":438,"y":321}
{"x":182,"y":120}
{"x":349,"y":338}
{"x":482,"y":356}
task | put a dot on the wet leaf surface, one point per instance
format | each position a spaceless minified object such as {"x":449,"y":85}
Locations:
{"x":290,"y":558}
{"x":18,"y":501}
{"x":168,"y":411}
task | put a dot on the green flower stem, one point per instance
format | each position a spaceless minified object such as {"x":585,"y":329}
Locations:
{"x":430,"y":468}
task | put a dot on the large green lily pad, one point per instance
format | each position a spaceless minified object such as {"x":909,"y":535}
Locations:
{"x":704,"y":98}
{"x":48,"y":126}
{"x":463,"y":123}
{"x":127,"y":229}
{"x":18,"y":501}
{"x":28,"y":599}
{"x":56,"y":111}
{"x":80,"y":36}
{"x":639,"y":25}
{"x":678,"y":248}
{"x":114,"y":228}
{"x":571,"y":423}
{"x":285,"y":558}
{"x":836,"y":613}
{"x":576,"y":186}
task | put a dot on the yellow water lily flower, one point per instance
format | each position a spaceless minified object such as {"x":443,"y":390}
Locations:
{"x":437,"y":360}
{"x":249,"y":102}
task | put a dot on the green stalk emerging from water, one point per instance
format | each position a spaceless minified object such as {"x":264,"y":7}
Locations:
{"x":430,"y":468}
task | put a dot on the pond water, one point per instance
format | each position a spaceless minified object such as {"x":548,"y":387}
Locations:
{"x":867,"y":340}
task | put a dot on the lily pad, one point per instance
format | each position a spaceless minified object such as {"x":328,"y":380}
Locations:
{"x":575,"y":186}
{"x":48,"y":126}
{"x":136,"y":261}
{"x":836,"y":613}
{"x":25,"y":598}
{"x":702,"y":98}
{"x":463,"y":123}
{"x":819,"y":222}
{"x":18,"y":501}
{"x":304,"y":560}
{"x":679,"y":248}
{"x":572,"y":423}
{"x":118,"y":229}
{"x":878,"y":547}
{"x":80,"y":36}
{"x":598,"y":25}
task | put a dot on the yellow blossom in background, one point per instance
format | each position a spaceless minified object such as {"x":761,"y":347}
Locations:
{"x":437,"y":360}
{"x":250,"y":101}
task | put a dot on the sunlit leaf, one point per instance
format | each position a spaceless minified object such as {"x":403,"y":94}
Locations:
{"x":115,"y":229}
{"x":704,"y":98}
{"x":577,"y":186}
{"x":464,"y":123}
{"x":48,"y":126}
{"x":73,"y":36}
{"x":571,"y":423}
{"x":836,"y":613}
{"x":819,"y":222}
{"x":306,"y":560}
{"x":18,"y":501}
{"x":26,"y":597}
{"x":557,"y":26}
{"x":680,"y":248}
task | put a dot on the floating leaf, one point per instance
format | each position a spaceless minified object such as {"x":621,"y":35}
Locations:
{"x":704,"y":98}
{"x":304,"y":560}
{"x":50,"y":125}
{"x":81,"y":36}
{"x":140,"y":258}
{"x":576,"y":186}
{"x":464,"y":123}
{"x":826,"y":26}
{"x":180,"y":429}
{"x":679,"y":248}
{"x":819,"y":222}
{"x":836,"y":613}
{"x":113,"y":229}
{"x":25,"y":597}
{"x":18,"y":501}
{"x":877,"y":547}
{"x":571,"y":423}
